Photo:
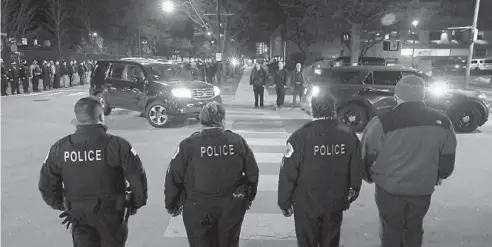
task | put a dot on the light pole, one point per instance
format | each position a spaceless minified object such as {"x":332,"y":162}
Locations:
{"x":474,"y":33}
{"x":415,"y":23}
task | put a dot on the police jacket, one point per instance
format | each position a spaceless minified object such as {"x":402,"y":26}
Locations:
{"x":297,"y":78}
{"x":210,"y":164}
{"x":91,"y":164}
{"x":407,"y":150}
{"x":320,"y":164}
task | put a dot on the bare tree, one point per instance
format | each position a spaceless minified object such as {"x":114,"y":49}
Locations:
{"x":57,"y":16}
{"x":18,"y":17}
{"x":84,"y":11}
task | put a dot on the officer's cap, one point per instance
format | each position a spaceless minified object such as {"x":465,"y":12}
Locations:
{"x":212,"y":115}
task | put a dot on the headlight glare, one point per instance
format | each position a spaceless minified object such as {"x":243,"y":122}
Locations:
{"x":315,"y":91}
{"x":482,"y":96}
{"x":181,"y":93}
{"x":438,"y":89}
{"x":216,"y":90}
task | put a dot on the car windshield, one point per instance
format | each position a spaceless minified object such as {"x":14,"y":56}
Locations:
{"x":171,"y":72}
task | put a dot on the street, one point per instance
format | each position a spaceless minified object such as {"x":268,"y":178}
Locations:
{"x":460,"y":213}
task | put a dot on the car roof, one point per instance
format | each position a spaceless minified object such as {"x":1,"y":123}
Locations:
{"x":371,"y":68}
{"x":139,"y":61}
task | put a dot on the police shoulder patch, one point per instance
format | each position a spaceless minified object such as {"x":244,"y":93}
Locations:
{"x":289,"y":150}
{"x":46,"y":158}
{"x":134,"y":152}
{"x":176,"y":153}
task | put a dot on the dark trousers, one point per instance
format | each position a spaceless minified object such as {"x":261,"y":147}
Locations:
{"x":5,"y":85}
{"x":321,"y":231}
{"x":14,"y":86}
{"x":297,"y":92}
{"x":35,"y":84}
{"x":56,"y":81}
{"x":401,"y":218}
{"x":259,"y":94}
{"x":46,"y":83}
{"x":71,"y":79}
{"x":214,"y":224}
{"x":280,"y":95}
{"x":25,"y":84}
{"x":82,"y":78}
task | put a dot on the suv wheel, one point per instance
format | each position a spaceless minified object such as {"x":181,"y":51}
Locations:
{"x":156,"y":114}
{"x":353,"y":115}
{"x":107,"y":109}
{"x":466,"y":118}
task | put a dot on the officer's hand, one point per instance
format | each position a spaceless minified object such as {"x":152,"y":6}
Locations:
{"x":175,"y":212}
{"x":288,"y":212}
{"x":69,"y":219}
{"x":352,"y":196}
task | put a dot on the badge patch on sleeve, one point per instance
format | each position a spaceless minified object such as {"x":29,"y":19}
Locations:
{"x":289,"y":150}
{"x":134,"y":152}
{"x":45,"y":159}
{"x":176,"y":153}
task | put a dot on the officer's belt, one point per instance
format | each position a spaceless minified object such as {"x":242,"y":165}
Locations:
{"x":117,"y":202}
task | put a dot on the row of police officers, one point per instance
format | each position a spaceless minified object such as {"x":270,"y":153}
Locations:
{"x":213,"y":176}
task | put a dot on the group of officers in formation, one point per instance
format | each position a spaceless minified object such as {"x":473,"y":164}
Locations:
{"x":212,"y":178}
{"x":50,"y":74}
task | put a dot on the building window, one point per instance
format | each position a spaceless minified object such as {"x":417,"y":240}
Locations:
{"x":391,"y":45}
{"x":480,"y":52}
{"x":457,"y":36}
{"x":436,"y":35}
{"x":480,"y":35}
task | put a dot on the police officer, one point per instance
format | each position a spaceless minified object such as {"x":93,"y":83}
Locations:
{"x":214,"y":175}
{"x":320,"y":176}
{"x":13,"y":75}
{"x":24,"y":76}
{"x":84,"y":175}
{"x":4,"y":82}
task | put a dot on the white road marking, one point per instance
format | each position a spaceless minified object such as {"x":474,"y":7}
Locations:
{"x":255,"y":226}
{"x":266,"y":141}
{"x":269,"y":157}
{"x":51,"y":94}
{"x":75,"y":94}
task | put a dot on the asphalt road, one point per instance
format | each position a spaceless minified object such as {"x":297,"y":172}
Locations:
{"x":460,"y":214}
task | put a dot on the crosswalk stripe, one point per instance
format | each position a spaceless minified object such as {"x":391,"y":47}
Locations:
{"x":255,"y":226}
{"x":266,"y":141}
{"x":278,"y":131}
{"x":252,"y":116}
{"x":242,"y":112}
{"x":268,"y":182}
{"x":75,"y":94}
{"x":268,"y":157}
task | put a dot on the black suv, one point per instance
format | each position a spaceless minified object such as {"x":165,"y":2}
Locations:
{"x":366,"y":91}
{"x":159,"y":90}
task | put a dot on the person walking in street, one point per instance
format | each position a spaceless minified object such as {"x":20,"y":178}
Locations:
{"x":320,"y":176}
{"x":281,"y":78}
{"x":298,"y":81}
{"x":84,"y":175}
{"x":212,"y":188}
{"x":406,"y":153}
{"x":258,"y":79}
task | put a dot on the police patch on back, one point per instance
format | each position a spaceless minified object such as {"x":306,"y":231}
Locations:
{"x":83,"y":155}
{"x":329,"y":149}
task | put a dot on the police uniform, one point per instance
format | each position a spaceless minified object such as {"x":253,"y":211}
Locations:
{"x":4,"y":82}
{"x":320,"y":165}
{"x":13,"y":79}
{"x":93,"y":166}
{"x":24,"y":77}
{"x":205,"y":172}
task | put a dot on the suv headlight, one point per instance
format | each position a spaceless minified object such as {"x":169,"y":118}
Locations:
{"x":216,"y":90}
{"x":482,"y":96}
{"x":181,"y":93}
{"x":438,"y":89}
{"x":315,"y":91}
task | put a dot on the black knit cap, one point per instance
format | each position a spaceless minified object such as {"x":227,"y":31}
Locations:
{"x":212,"y":115}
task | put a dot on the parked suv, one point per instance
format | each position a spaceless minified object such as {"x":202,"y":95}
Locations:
{"x":160,"y":91}
{"x":367,"y":91}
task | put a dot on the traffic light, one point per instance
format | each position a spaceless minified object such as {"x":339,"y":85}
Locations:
{"x":345,"y":37}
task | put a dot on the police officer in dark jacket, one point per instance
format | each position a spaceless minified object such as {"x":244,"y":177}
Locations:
{"x":13,"y":75}
{"x":84,"y":175}
{"x":214,"y":175}
{"x":320,"y":176}
{"x":258,"y":79}
{"x":281,"y":77}
{"x":4,"y":85}
{"x":24,"y":76}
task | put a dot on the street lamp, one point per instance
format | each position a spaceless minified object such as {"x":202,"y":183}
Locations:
{"x":415,"y":23}
{"x":94,"y":34}
{"x":209,"y":33}
{"x":168,"y":6}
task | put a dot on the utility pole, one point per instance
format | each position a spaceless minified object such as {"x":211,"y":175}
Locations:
{"x":474,"y":33}
{"x":219,"y":44}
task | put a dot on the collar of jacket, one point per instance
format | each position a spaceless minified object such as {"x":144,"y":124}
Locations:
{"x":91,"y":128}
{"x":409,"y":106}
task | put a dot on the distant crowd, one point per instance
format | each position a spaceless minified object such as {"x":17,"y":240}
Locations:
{"x":44,"y":76}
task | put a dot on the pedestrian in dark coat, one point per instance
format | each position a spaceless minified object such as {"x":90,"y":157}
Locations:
{"x":258,"y":79}
{"x":281,"y":78}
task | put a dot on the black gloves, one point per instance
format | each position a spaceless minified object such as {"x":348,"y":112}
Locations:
{"x":288,"y":212}
{"x":175,"y":211}
{"x":71,"y":218}
{"x":353,"y":194}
